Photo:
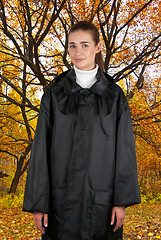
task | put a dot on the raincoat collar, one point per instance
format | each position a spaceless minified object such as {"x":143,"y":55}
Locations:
{"x":100,"y":86}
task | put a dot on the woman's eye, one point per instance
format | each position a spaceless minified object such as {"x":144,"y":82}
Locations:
{"x":72,"y":46}
{"x":85,"y":45}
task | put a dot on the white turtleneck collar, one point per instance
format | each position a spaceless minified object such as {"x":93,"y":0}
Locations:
{"x":86,"y":78}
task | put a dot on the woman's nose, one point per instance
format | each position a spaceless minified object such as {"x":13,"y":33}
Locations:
{"x":78,"y":51}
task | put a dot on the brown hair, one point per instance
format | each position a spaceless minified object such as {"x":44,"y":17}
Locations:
{"x":88,"y":26}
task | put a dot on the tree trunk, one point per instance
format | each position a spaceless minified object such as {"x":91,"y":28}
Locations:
{"x":14,"y":183}
{"x":20,"y":169}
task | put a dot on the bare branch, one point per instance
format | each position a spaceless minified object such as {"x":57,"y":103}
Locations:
{"x":18,"y":91}
{"x":137,"y":13}
{"x":9,"y":153}
{"x":53,"y":18}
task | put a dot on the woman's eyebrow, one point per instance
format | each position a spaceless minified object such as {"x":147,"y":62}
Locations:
{"x":80,"y":42}
{"x":84,"y":42}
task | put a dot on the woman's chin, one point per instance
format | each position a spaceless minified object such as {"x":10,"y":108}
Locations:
{"x":83,"y":67}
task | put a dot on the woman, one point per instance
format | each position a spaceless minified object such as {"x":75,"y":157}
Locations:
{"x":82,"y":172}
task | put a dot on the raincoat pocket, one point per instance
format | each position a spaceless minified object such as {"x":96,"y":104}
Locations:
{"x":100,"y":213}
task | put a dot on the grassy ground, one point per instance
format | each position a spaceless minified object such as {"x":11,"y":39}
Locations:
{"x":142,"y":221}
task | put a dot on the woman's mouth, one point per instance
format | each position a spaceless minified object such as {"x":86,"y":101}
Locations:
{"x":79,"y":60}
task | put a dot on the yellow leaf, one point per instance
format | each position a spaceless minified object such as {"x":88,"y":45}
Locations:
{"x":150,"y":234}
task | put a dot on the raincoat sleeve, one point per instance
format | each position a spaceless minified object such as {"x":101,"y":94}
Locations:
{"x":36,"y":197}
{"x":126,"y":188}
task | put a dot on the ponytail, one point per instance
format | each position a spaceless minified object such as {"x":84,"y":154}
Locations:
{"x":99,"y":61}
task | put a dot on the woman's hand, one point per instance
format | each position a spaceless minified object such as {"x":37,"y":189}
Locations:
{"x":119,"y":213}
{"x":37,"y":218}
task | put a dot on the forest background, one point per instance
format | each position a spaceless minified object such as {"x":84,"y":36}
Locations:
{"x":33,"y":51}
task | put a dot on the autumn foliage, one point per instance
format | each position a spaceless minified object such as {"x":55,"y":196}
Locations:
{"x":34,"y":49}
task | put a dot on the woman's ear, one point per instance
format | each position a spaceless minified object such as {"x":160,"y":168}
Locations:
{"x":98,"y":47}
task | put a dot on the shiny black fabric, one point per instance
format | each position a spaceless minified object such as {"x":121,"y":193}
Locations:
{"x":83,"y":159}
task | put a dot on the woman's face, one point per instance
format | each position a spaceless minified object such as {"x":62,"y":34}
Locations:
{"x":82,"y":49}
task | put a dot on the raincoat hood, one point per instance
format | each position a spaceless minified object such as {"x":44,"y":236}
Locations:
{"x":70,"y":85}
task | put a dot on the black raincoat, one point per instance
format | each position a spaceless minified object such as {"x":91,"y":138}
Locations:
{"x":83,"y":159}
